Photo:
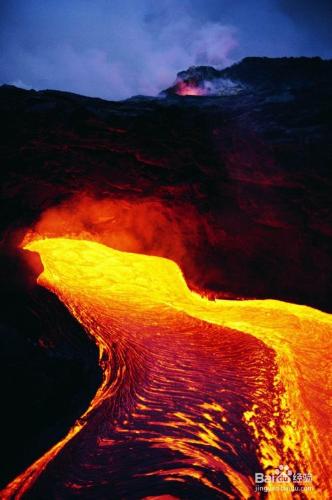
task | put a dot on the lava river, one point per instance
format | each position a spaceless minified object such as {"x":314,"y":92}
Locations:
{"x":197,"y":395}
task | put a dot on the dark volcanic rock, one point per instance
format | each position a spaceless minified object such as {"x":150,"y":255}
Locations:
{"x":256,"y":74}
{"x":250,"y":174}
{"x":235,"y":188}
{"x":48,"y":368}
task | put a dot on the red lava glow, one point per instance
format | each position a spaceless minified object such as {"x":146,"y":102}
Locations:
{"x":138,"y":226}
{"x":182,"y":377}
{"x":183,"y":88}
{"x":129,"y":225}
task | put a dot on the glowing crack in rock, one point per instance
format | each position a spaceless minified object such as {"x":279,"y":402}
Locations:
{"x":197,"y":395}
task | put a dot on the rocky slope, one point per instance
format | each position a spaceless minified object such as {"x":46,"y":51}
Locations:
{"x":255,"y":75}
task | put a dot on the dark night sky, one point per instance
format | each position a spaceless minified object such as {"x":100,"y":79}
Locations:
{"x":118,"y":48}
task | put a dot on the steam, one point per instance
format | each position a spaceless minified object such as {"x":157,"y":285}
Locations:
{"x":115,"y":51}
{"x":119,"y":48}
{"x":215,"y":87}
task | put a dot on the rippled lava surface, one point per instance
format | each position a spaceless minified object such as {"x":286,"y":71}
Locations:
{"x":188,"y":407}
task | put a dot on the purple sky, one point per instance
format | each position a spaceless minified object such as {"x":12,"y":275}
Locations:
{"x":118,"y":48}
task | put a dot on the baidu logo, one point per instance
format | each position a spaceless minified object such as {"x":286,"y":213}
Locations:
{"x":283,"y":479}
{"x":282,"y":474}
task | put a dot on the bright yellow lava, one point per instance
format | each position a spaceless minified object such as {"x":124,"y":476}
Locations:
{"x":299,"y":335}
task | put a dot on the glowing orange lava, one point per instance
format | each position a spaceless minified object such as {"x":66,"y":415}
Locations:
{"x":124,"y":300}
{"x":190,"y":89}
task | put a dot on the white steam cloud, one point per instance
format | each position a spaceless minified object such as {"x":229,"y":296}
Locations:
{"x":118,"y":48}
{"x":111,"y":49}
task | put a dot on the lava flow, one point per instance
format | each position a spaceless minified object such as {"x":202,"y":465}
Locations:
{"x":197,"y":395}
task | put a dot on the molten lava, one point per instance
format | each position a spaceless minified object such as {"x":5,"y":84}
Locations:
{"x":183,"y":88}
{"x":197,"y":396}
